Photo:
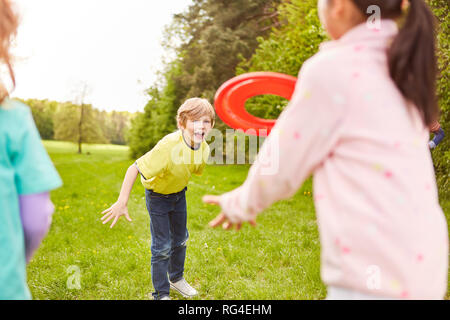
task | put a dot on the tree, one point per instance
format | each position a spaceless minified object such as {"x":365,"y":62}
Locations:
{"x":69,"y":127}
{"x":296,"y":39}
{"x":217,"y":35}
{"x":43,"y":112}
{"x":115,"y":125}
{"x":84,"y":91}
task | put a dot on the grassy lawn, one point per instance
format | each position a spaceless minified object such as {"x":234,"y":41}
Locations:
{"x":279,"y":259}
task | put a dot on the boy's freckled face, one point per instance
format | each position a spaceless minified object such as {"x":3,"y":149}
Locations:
{"x":197,"y":130}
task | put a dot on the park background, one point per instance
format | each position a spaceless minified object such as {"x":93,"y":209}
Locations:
{"x":207,"y":44}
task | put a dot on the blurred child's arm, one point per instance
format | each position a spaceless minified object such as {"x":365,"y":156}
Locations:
{"x":303,"y":137}
{"x":35,"y":176}
{"x":36,"y":213}
{"x":120,"y":207}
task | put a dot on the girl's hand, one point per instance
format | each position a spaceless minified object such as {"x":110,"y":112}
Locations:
{"x":115,"y":211}
{"x":222,"y":219}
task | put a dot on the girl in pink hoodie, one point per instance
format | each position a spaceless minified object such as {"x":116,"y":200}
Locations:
{"x":382,"y":231}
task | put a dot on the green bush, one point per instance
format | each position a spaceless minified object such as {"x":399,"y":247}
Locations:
{"x":441,"y":155}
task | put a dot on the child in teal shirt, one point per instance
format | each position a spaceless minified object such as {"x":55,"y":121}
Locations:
{"x":26,"y":176}
{"x":25,"y":170}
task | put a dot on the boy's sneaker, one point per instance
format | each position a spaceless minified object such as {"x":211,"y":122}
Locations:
{"x":165,"y":297}
{"x":183,"y":288}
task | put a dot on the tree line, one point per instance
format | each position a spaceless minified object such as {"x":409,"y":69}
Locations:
{"x":80,"y":123}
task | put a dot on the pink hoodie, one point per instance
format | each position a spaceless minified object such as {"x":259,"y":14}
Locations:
{"x":382,"y":230}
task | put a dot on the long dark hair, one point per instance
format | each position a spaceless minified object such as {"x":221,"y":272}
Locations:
{"x":412,"y":55}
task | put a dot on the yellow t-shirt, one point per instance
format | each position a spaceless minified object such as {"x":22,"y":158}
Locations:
{"x":169,"y":165}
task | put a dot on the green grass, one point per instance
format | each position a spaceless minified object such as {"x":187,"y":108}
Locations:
{"x":279,"y":259}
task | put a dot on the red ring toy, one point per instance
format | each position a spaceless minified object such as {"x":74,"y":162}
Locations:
{"x":231,"y":97}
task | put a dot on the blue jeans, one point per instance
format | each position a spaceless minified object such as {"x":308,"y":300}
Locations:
{"x":169,"y":235}
{"x":438,"y":136}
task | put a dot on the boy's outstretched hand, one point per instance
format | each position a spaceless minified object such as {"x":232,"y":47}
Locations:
{"x":115,"y":211}
{"x":222,"y":219}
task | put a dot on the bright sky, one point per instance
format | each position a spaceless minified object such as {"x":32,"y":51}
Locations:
{"x":113,"y":46}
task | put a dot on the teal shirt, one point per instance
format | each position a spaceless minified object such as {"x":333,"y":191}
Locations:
{"x":25,"y":168}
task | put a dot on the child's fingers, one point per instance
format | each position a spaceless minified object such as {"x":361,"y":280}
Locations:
{"x":107,"y":210}
{"x":253,"y":223}
{"x":109,"y":218}
{"x":218,"y":220}
{"x":106,"y":215}
{"x":114,"y":222}
{"x":211,"y":199}
{"x":128,"y":217}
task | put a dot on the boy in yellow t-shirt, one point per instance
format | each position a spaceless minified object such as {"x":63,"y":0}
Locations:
{"x":165,"y":171}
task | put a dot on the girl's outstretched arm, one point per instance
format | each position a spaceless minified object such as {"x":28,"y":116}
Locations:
{"x":120,"y":207}
{"x":303,"y":137}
